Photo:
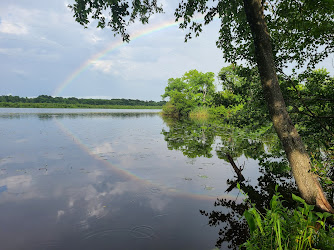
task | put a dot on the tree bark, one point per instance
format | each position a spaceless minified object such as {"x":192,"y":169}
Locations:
{"x":298,"y":158}
{"x":235,"y":168}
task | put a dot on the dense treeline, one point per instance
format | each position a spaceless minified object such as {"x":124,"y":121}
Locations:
{"x":61,"y":101}
{"x":72,"y":106}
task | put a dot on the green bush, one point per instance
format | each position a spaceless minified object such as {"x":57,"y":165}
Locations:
{"x":170,"y":110}
{"x":199,"y":113}
{"x":223,"y":112}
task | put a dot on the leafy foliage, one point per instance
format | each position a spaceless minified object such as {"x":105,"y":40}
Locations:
{"x":310,"y":99}
{"x":282,"y":228}
{"x":241,"y":102}
{"x":289,"y":24}
{"x":121,"y":13}
{"x":193,"y":89}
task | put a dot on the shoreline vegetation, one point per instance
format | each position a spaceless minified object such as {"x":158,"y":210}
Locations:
{"x":241,"y":106}
{"x":44,"y":101}
{"x":73,"y":106}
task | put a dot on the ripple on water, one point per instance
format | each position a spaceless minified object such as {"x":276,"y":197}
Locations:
{"x":142,"y":232}
{"x":82,"y":225}
{"x":103,"y":233}
{"x":48,"y":244}
{"x":138,"y":232}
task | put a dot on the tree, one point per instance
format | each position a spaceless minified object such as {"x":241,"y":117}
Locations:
{"x":200,"y":84}
{"x":175,"y":85}
{"x":195,"y":85}
{"x":193,"y":89}
{"x":307,"y":182}
{"x":268,"y":34}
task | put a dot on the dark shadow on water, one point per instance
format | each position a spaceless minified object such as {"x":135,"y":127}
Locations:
{"x":228,"y":213}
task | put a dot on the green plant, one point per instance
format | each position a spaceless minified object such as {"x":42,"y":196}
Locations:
{"x":170,"y":110}
{"x":284,"y":228}
{"x":199,"y":113}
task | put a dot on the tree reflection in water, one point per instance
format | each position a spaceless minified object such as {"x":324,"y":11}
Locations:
{"x":197,"y":139}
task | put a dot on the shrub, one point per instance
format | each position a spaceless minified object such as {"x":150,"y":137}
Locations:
{"x":170,"y":110}
{"x":282,"y":228}
{"x":199,"y":113}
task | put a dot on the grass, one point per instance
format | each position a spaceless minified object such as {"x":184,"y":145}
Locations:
{"x":199,"y":113}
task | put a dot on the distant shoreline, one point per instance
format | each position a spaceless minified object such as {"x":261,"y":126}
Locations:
{"x":73,"y":106}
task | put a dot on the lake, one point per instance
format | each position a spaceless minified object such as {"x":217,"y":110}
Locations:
{"x":106,"y":179}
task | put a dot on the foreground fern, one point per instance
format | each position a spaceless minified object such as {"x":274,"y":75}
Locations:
{"x":283,"y":228}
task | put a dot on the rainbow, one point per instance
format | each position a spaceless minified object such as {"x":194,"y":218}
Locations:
{"x":93,"y":59}
{"x":129,"y":175}
{"x":114,"y":46}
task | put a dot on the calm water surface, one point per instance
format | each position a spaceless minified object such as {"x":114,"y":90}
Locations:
{"x":103,"y":179}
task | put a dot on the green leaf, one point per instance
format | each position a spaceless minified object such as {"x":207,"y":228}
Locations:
{"x":297,"y":198}
{"x":257,"y":218}
{"x":250,"y":220}
{"x":320,"y":215}
{"x":326,"y":215}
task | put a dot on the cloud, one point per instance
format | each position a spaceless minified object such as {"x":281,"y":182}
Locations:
{"x":60,"y":213}
{"x":123,"y":187}
{"x":71,"y":202}
{"x":104,"y":66}
{"x":17,"y":183}
{"x":11,"y":51}
{"x":94,"y":38}
{"x":96,"y":210}
{"x":13,"y":28}
{"x":19,"y":187}
{"x":23,"y":140}
{"x":104,"y":148}
{"x":38,"y":53}
{"x":93,"y":35}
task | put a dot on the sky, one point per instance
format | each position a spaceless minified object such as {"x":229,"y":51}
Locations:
{"x":43,"y":51}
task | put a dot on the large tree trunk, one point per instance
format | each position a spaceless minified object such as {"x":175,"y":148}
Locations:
{"x":307,"y":182}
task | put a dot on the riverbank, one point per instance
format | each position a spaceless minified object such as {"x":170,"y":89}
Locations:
{"x":73,"y":106}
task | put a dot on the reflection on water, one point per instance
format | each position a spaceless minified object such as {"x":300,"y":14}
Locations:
{"x":97,"y":180}
{"x":197,"y":139}
{"x":74,"y":113}
{"x":119,"y":179}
